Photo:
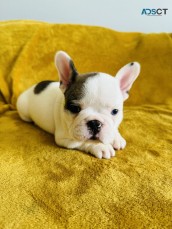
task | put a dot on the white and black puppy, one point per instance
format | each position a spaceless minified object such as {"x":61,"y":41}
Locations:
{"x":83,"y":111}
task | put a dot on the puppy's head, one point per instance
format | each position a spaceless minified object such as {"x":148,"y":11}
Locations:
{"x":94,"y":101}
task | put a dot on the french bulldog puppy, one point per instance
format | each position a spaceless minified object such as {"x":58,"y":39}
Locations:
{"x":83,"y":111}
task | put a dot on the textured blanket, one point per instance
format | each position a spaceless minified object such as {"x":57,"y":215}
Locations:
{"x":45,"y":186}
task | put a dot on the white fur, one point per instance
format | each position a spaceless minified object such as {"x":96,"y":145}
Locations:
{"x":103,"y":94}
{"x":97,"y":105}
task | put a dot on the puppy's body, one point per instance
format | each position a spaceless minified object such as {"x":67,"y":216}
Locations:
{"x":83,"y":111}
{"x":39,"y":107}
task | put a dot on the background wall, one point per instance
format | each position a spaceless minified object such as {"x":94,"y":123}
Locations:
{"x":122,"y":15}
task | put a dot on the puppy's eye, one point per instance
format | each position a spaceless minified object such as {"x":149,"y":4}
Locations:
{"x":114,"y":111}
{"x":75,"y":109}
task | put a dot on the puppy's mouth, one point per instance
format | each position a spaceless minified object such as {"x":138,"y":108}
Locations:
{"x":94,"y":128}
{"x":94,"y":137}
{"x":93,"y":134}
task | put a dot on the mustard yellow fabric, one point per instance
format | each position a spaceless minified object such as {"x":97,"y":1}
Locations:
{"x":45,"y":186}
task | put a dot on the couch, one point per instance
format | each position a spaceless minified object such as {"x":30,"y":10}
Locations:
{"x":46,"y":186}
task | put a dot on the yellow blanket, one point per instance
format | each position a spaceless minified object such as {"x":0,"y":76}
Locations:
{"x":44,"y":186}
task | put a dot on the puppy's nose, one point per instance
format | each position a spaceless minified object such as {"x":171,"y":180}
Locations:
{"x":94,"y":126}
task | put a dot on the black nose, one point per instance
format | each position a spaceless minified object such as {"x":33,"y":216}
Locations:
{"x":94,"y":126}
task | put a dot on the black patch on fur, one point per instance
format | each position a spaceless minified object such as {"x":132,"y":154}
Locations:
{"x":41,"y":86}
{"x":76,"y":90}
{"x":131,"y":64}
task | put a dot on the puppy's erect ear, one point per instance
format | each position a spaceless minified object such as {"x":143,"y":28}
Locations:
{"x":126,"y":76}
{"x":66,"y":69}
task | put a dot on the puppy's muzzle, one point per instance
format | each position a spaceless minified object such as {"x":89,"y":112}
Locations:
{"x":94,"y":126}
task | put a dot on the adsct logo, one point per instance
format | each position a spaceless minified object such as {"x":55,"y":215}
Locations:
{"x":154,"y":12}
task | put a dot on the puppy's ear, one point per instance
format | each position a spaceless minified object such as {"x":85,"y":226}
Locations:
{"x":66,"y":69}
{"x":126,"y":76}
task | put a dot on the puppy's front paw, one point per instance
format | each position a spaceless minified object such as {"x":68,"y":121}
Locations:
{"x":119,"y":142}
{"x":101,"y":150}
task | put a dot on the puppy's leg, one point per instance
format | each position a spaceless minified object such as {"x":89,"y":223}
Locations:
{"x":96,"y":148}
{"x":119,"y":141}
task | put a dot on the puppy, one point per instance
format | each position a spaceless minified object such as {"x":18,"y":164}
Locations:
{"x":83,"y":111}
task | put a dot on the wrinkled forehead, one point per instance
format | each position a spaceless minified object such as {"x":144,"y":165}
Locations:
{"x":94,"y":89}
